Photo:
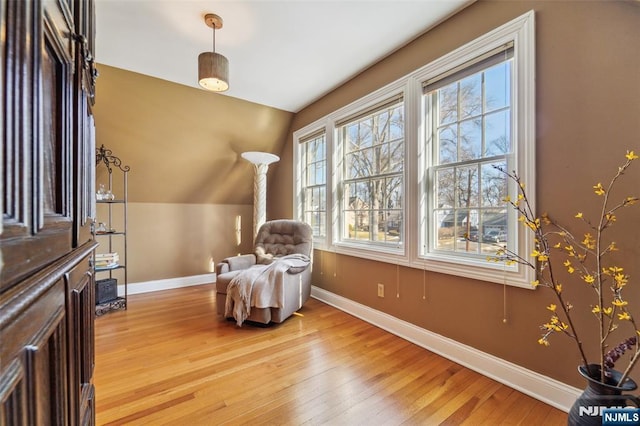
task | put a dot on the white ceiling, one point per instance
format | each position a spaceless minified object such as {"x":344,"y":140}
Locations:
{"x":283,"y":54}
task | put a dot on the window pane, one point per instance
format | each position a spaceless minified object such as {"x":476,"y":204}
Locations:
{"x":497,"y":133}
{"x":396,"y":126}
{"x":390,"y":226}
{"x":448,"y":142}
{"x":396,"y":156}
{"x":315,"y":150}
{"x":493,"y":228}
{"x":358,"y":195}
{"x":381,"y":123}
{"x":471,"y":96}
{"x":384,"y":158}
{"x":445,"y":226}
{"x":370,"y":161}
{"x":361,"y":164}
{"x":445,"y":188}
{"x":391,"y":157}
{"x":320,"y":173}
{"x":350,"y":135}
{"x":357,"y":222}
{"x":365,"y":135}
{"x":496,"y":82}
{"x":470,"y":139}
{"x":494,"y":185}
{"x":459,"y":231}
{"x":448,"y":104}
{"x":466,"y":231}
{"x":311,"y":175}
{"x":314,"y":212}
{"x":320,"y":149}
{"x":393,"y":193}
{"x":466,"y":187}
{"x":308,"y":199}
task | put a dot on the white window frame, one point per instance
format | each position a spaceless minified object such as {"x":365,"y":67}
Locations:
{"x":304,"y":164}
{"x":364,"y":249}
{"x":520,"y":32}
{"x":300,"y":138}
{"x":333,"y":242}
{"x":339,"y":240}
{"x":412,"y":253}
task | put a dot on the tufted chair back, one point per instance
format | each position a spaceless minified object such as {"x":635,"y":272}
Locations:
{"x":281,"y":237}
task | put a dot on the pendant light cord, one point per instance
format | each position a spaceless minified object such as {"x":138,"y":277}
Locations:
{"x":214,"y":37}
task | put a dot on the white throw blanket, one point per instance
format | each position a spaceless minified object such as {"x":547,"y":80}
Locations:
{"x":261,"y":286}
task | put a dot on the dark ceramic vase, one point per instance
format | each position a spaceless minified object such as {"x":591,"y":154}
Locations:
{"x":587,"y":410}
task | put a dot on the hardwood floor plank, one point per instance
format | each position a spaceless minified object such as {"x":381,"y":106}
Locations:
{"x":494,"y":400}
{"x":170,"y":360}
{"x":407,"y":378}
{"x":332,"y":401}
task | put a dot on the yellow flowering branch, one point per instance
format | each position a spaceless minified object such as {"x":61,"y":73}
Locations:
{"x":606,"y":219}
{"x":541,"y":264}
{"x":578,"y":251}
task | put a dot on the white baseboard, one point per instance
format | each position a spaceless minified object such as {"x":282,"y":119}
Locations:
{"x":167,"y":284}
{"x":536,"y":385}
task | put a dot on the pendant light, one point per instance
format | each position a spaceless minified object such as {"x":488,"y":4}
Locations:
{"x":213,"y":68}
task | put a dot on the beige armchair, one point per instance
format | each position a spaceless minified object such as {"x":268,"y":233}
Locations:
{"x":272,"y":283}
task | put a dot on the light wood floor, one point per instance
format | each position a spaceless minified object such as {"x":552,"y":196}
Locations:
{"x":169,"y":359}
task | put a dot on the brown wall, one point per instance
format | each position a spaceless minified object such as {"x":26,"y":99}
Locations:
{"x":172,"y":240}
{"x":187,"y":181}
{"x":183,"y":144}
{"x":588,"y":109}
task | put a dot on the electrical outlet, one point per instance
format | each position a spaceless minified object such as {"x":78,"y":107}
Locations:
{"x":380,"y":290}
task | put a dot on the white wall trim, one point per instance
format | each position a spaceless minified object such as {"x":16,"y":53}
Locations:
{"x":167,"y":284}
{"x":536,"y":385}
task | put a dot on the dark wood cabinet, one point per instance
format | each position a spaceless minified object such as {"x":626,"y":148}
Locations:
{"x":47,"y":299}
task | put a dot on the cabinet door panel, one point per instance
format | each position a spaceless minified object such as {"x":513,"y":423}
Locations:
{"x":38,"y":138}
{"x":46,"y":330}
{"x":80,"y":285}
{"x":16,"y":125}
{"x":13,"y":401}
{"x":46,"y":364}
{"x":85,"y":171}
{"x":33,"y":383}
{"x":84,"y":130}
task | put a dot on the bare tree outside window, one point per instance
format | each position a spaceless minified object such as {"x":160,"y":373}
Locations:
{"x":372,"y":207}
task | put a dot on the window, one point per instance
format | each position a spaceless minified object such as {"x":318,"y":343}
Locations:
{"x":469,"y":117}
{"x":407,"y":174}
{"x":314,"y":160}
{"x":373,"y":165}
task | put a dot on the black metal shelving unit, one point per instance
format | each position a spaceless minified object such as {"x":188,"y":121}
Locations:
{"x":110,"y":207}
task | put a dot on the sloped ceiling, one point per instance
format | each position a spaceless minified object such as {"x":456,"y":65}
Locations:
{"x":283,"y":53}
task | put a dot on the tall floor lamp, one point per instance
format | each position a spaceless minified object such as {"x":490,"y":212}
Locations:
{"x":260,"y":161}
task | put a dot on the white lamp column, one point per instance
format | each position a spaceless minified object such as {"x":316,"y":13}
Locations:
{"x":260,"y":161}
